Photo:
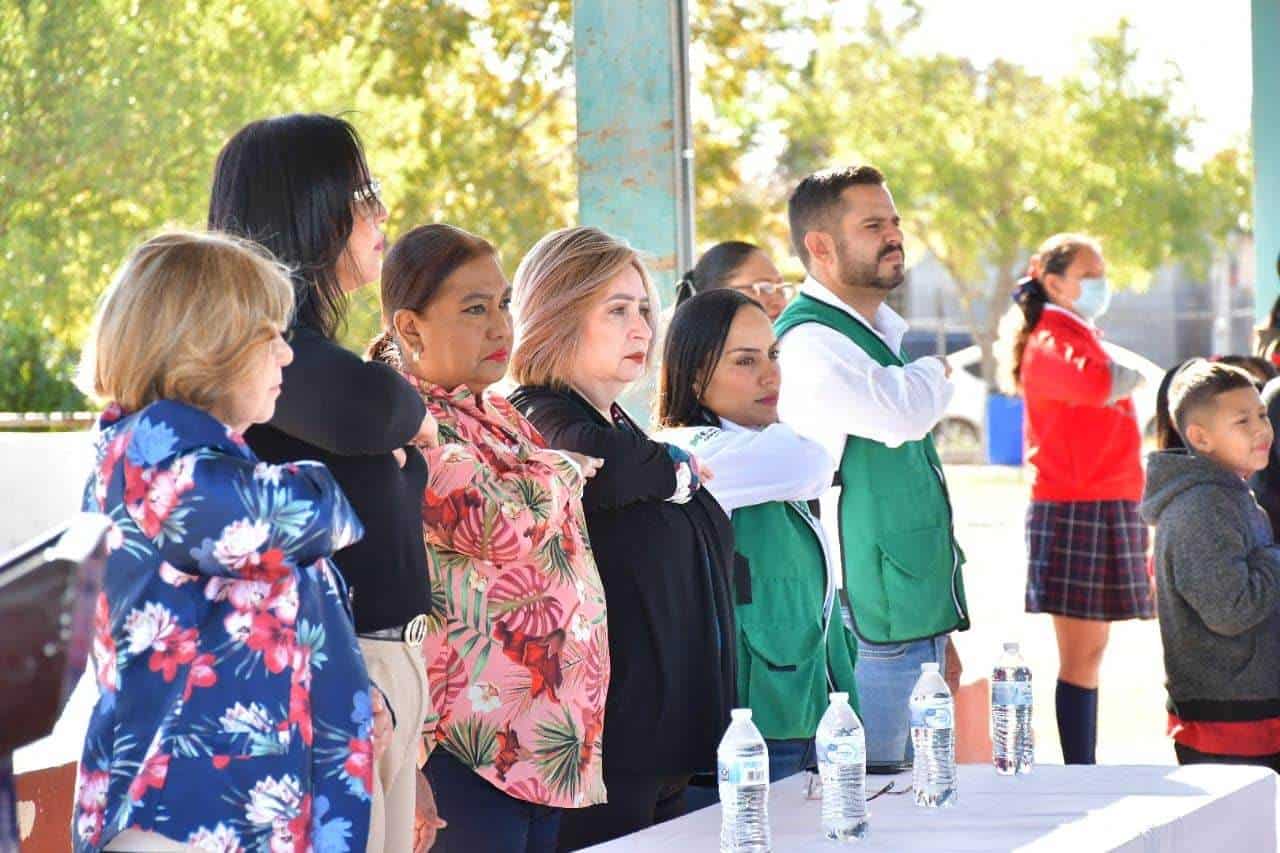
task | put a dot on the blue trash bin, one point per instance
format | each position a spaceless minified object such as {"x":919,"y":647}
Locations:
{"x":1004,"y":430}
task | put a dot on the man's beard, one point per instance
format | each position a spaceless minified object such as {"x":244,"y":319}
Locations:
{"x":855,"y":273}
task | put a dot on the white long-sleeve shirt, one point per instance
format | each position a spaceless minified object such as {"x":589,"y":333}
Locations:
{"x":832,"y":389}
{"x":755,"y":466}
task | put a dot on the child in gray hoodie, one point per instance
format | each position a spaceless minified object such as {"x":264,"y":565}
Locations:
{"x":1217,"y":571}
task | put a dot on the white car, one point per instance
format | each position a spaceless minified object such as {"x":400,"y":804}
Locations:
{"x":960,"y":432}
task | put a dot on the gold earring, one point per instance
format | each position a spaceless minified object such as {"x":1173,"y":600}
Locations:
{"x":415,"y":354}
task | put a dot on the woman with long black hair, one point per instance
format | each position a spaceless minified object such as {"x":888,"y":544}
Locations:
{"x":300,"y":186}
{"x":718,"y":399}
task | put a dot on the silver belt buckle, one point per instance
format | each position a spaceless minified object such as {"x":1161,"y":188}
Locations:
{"x":415,"y":630}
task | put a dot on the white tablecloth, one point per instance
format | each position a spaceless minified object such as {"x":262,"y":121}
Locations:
{"x":1055,"y":808}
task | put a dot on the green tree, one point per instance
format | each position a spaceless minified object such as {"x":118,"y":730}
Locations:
{"x":111,"y":112}
{"x":984,"y":163}
{"x":748,"y":58}
{"x":467,"y":111}
{"x":114,"y":110}
{"x":475,"y":113}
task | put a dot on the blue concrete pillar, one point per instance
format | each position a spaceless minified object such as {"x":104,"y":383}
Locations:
{"x":635,"y":154}
{"x":1266,"y":151}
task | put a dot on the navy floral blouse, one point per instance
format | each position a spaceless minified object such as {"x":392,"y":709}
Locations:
{"x":233,"y":710}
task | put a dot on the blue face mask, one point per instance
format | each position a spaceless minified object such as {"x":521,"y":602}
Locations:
{"x":1095,"y":298}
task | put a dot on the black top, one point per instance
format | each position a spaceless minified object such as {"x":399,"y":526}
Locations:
{"x":351,"y":414}
{"x":1266,"y":483}
{"x":665,"y":569}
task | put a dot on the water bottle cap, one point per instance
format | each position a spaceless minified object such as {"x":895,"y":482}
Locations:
{"x":839,"y":697}
{"x":1011,"y":647}
{"x":930,"y":666}
{"x":740,"y":713}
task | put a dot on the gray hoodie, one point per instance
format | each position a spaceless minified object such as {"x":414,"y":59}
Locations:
{"x":1218,"y":590}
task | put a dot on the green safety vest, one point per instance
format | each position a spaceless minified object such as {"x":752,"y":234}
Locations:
{"x":792,"y":650}
{"x":897,"y":543}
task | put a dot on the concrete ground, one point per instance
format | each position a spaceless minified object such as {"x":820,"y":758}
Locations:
{"x":990,"y":504}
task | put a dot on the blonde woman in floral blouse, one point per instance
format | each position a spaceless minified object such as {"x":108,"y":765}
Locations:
{"x":518,"y":652}
{"x":233,"y":708}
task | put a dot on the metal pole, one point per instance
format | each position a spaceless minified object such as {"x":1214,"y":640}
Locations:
{"x":635,"y":148}
{"x":1266,"y":153}
{"x":635,"y":139}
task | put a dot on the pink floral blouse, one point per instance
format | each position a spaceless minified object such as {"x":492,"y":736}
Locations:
{"x":518,"y":650}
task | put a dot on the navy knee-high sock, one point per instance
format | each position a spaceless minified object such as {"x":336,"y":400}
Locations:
{"x":1077,"y":722}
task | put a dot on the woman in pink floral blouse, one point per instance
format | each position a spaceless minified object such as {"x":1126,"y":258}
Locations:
{"x":518,"y":652}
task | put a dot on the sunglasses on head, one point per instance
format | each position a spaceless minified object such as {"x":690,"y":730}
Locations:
{"x":368,"y":200}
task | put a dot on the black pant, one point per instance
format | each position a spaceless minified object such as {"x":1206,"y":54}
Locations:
{"x":8,"y":805}
{"x":1187,"y":755}
{"x":483,"y":819}
{"x":635,"y":803}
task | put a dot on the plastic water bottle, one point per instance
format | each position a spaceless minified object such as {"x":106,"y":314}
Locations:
{"x":933,"y":774}
{"x":842,"y":761}
{"x":1013,"y":750}
{"x":744,"y":787}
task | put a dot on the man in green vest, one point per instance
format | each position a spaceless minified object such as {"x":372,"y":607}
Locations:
{"x":848,"y":387}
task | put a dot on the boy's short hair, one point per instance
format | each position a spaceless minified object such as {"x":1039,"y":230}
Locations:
{"x":1198,"y":385}
{"x":185,"y":320}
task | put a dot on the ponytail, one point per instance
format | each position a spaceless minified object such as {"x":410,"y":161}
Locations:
{"x":1031,"y":297}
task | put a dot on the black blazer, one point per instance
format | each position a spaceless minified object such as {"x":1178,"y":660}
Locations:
{"x":666,"y":570}
{"x":351,"y":414}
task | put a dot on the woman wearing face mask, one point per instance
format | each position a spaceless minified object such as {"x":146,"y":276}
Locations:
{"x":519,"y":657}
{"x":585,"y":333}
{"x":718,"y":398}
{"x":1086,"y":542}
{"x":300,"y":185}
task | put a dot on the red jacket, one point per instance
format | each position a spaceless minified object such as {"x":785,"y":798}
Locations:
{"x":1080,"y":448}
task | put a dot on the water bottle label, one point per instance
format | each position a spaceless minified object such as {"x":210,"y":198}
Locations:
{"x":931,"y":714}
{"x":744,"y":771}
{"x":845,"y":750}
{"x":1011,"y":693}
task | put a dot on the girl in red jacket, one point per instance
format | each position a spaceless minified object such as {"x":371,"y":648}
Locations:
{"x":1085,"y":540}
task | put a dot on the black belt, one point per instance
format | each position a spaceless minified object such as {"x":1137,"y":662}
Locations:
{"x":412,"y":633}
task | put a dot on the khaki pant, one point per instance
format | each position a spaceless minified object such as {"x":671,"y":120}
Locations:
{"x":398,"y":670}
{"x":141,"y":841}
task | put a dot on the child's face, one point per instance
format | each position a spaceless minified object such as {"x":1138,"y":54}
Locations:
{"x":1235,"y":432}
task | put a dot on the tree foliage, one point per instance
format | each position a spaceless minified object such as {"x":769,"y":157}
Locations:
{"x":112,"y":112}
{"x":466,"y":110}
{"x":985,"y":163}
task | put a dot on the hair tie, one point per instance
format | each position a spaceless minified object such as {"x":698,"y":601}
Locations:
{"x":684,"y":288}
{"x":1029,"y":287}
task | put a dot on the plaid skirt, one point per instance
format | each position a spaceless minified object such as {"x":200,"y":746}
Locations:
{"x":1088,"y":560}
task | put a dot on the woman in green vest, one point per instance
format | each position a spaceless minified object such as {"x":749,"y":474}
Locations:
{"x":718,"y":398}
